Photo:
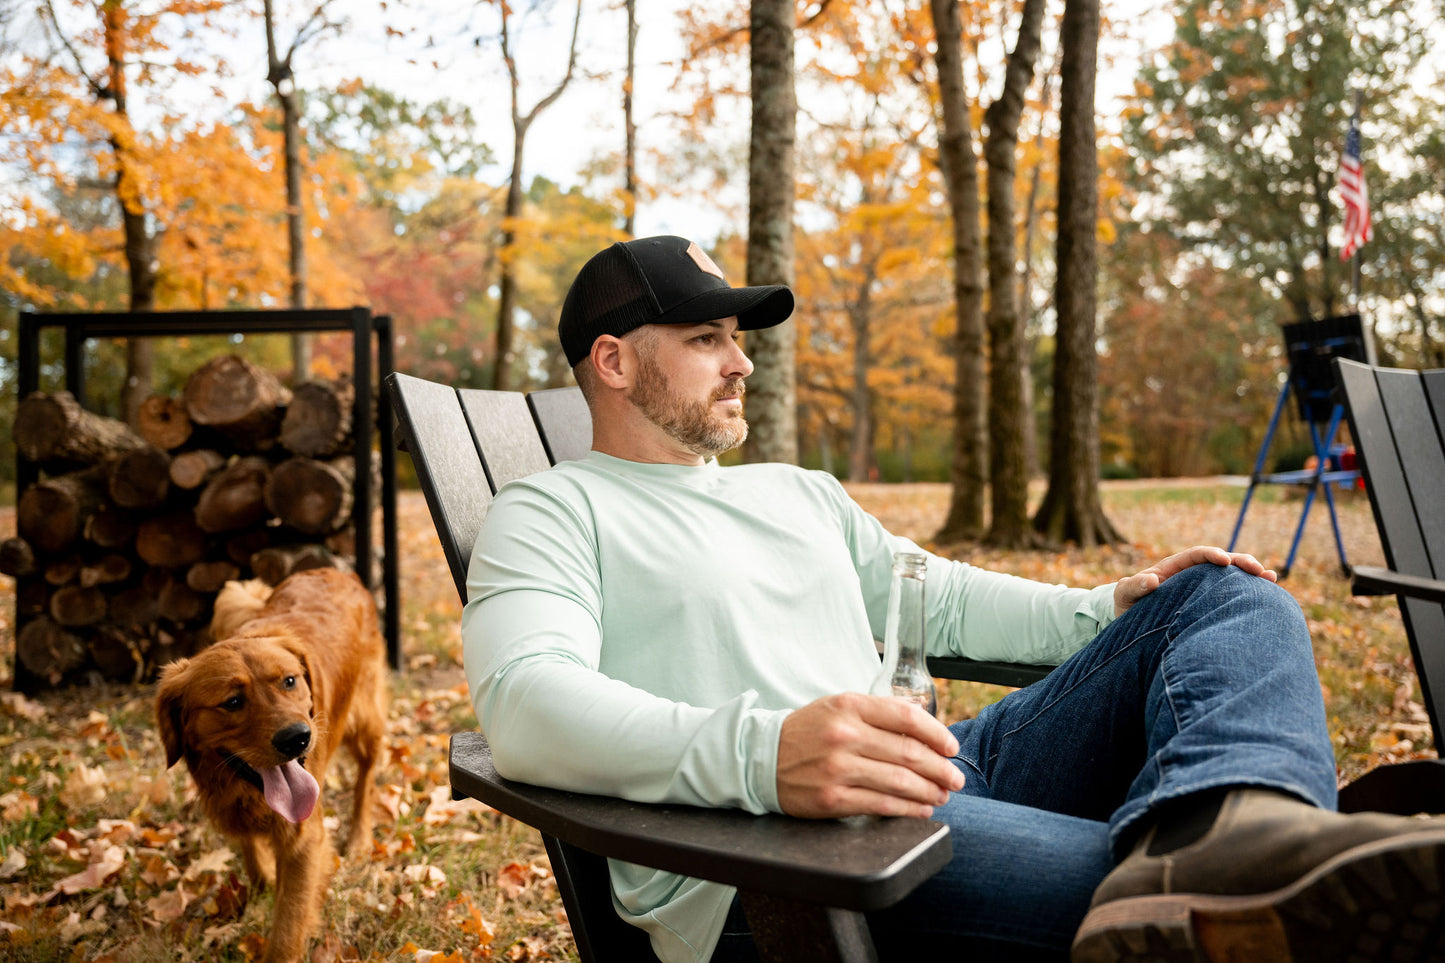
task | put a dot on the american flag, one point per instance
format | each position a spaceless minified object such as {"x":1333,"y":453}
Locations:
{"x":1354,"y":193}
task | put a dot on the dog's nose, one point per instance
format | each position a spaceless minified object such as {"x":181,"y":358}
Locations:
{"x":292,"y":740}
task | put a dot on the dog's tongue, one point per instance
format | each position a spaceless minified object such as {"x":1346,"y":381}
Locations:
{"x":290,"y":790}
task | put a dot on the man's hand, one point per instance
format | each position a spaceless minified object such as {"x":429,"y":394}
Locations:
{"x":1129,"y":590}
{"x":851,"y":754}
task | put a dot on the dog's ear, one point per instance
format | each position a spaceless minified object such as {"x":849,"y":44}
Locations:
{"x":169,"y":696}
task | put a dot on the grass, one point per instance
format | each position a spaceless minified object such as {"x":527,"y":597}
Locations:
{"x":83,"y":788}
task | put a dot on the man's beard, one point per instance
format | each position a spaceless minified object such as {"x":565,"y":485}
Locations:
{"x":694,"y":424}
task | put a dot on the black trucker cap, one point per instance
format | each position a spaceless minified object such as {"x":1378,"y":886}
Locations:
{"x":658,"y":280}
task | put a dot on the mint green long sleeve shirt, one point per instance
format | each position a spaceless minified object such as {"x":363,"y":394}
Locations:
{"x":642,"y":630}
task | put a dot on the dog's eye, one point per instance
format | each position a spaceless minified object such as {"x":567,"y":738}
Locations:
{"x":234,"y":703}
{"x":289,"y":682}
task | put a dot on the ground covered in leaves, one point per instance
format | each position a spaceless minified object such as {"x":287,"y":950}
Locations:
{"x":104,"y":855}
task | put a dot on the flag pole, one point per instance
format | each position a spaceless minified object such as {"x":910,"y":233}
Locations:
{"x":1355,"y":268}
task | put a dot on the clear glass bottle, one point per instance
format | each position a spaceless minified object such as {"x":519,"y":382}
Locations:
{"x":905,"y":672}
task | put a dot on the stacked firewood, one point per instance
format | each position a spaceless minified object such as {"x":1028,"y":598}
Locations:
{"x":122,"y":545}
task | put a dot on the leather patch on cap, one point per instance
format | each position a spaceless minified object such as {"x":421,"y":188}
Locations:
{"x":703,"y":261}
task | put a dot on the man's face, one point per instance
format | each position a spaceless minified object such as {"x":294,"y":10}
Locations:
{"x":690,"y":384}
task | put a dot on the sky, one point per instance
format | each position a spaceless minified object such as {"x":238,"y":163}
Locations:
{"x":442,"y":48}
{"x":436,"y":48}
{"x":432,"y":49}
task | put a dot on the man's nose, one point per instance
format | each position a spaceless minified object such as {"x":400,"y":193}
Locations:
{"x":738,"y":364}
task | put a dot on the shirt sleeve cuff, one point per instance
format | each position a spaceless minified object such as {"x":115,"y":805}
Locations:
{"x":763,"y":763}
{"x":1100,"y":605}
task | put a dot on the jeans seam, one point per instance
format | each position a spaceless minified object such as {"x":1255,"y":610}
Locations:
{"x":1080,"y":681}
{"x":1156,"y":758}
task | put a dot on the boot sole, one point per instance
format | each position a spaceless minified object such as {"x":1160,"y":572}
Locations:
{"x":1383,"y":901}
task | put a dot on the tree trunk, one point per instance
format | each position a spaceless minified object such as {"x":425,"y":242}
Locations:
{"x":140,"y":246}
{"x":506,"y":299}
{"x":1026,"y":286}
{"x":860,"y":453}
{"x":1071,"y":510}
{"x":960,"y":174}
{"x":629,"y":181}
{"x":283,"y":81}
{"x":141,"y":265}
{"x":1008,"y":412}
{"x":772,"y":389}
{"x":507,"y":283}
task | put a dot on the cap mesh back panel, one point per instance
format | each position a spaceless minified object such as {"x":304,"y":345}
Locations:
{"x":617,"y":298}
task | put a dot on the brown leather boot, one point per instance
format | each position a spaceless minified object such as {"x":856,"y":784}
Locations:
{"x":1275,"y":880}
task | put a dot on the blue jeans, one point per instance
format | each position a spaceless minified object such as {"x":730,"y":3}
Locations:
{"x":1208,"y":681}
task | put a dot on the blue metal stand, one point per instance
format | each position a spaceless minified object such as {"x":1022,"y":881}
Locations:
{"x":1322,"y":476}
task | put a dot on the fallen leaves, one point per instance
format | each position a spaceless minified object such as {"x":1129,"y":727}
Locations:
{"x":514,"y":878}
{"x":82,"y":774}
{"x":442,"y":809}
{"x":84,"y":787}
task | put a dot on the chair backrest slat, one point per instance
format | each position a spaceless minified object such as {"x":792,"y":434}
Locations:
{"x":504,"y":433}
{"x":564,"y":422}
{"x":1421,"y":459}
{"x":448,"y":465}
{"x":1396,"y":430}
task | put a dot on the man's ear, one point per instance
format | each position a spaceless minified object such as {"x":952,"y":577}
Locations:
{"x":169,"y":697}
{"x":612,"y":360}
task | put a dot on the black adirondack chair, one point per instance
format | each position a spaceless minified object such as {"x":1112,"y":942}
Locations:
{"x":804,"y":883}
{"x":1397,"y":420}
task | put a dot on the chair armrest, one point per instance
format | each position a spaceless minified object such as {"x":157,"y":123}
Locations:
{"x":860,"y":864}
{"x":1368,"y":580}
{"x":1016,"y":674}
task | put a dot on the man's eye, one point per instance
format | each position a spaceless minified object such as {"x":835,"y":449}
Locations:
{"x":704,"y":339}
{"x":234,"y":703}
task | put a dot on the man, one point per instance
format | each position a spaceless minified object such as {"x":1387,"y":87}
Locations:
{"x":647,"y":624}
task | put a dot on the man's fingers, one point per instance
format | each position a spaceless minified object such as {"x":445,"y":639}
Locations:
{"x":873,"y":787}
{"x":1132,"y":588}
{"x":857,"y":801}
{"x":896,"y":715}
{"x":848,"y":753}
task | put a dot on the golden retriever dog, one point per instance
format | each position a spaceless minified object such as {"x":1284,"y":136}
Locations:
{"x":294,"y":673}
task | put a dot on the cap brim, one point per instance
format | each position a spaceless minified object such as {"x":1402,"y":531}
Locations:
{"x":755,"y":307}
